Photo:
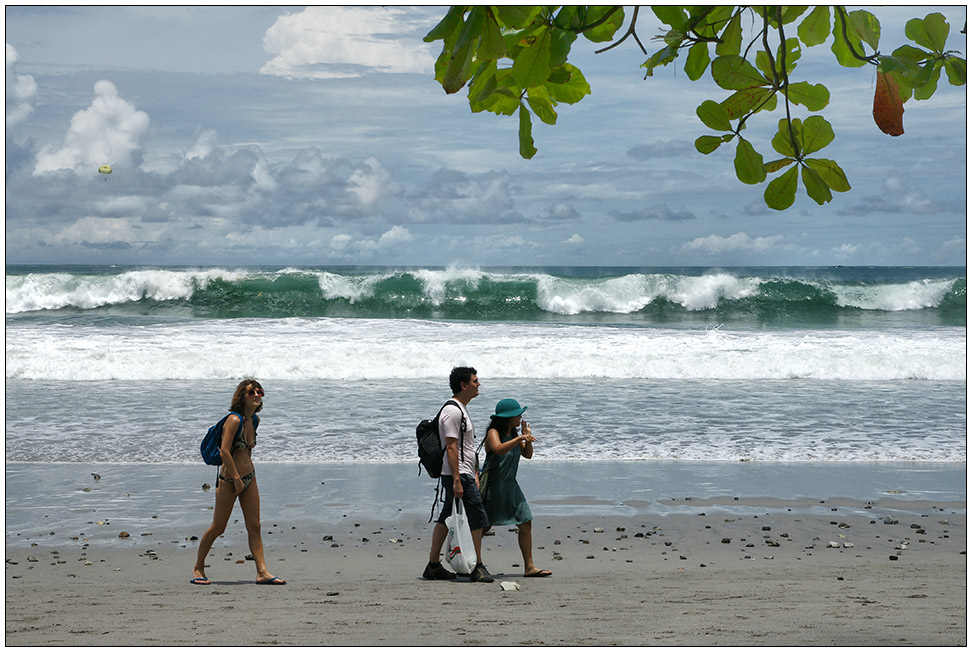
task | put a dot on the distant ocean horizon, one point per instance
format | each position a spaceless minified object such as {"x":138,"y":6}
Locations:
{"x":616,"y":363}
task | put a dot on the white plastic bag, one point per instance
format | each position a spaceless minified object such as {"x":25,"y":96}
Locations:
{"x":459,"y":544}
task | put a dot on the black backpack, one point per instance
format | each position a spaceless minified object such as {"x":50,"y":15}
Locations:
{"x":429,"y":446}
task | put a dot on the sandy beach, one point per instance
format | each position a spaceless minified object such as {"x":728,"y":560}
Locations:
{"x":704,"y":570}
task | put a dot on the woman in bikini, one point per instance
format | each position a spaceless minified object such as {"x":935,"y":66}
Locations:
{"x":237,"y":480}
{"x":502,"y":497}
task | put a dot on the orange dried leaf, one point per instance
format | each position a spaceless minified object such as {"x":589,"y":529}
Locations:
{"x":888,"y":107}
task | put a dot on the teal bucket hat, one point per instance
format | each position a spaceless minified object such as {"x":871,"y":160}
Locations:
{"x":509,"y":407}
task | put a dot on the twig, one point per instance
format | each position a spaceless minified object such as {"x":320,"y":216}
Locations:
{"x":630,"y":32}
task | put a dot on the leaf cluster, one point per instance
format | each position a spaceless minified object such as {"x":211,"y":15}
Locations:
{"x":514,"y":59}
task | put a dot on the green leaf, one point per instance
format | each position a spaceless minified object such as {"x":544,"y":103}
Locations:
{"x":671,"y":15}
{"x":734,"y":73}
{"x":778,"y":164}
{"x":865,"y":27}
{"x":793,"y":53}
{"x":955,"y":69}
{"x":570,"y":17}
{"x":674,"y":37}
{"x":457,"y":72}
{"x":713,"y":116}
{"x":449,"y":23}
{"x":532,"y":66}
{"x":781,"y":192}
{"x":484,"y":83}
{"x":817,"y":190}
{"x":930,"y":32}
{"x":571,"y":91}
{"x":560,"y":43}
{"x":792,"y":12}
{"x":815,"y":28}
{"x":707,"y":144}
{"x":890,"y":64}
{"x":697,"y":61}
{"x":539,"y":101}
{"x":731,"y":39}
{"x":905,"y":64}
{"x":606,"y":30}
{"x":742,"y":102}
{"x":830,"y":172}
{"x":813,"y":96}
{"x":491,"y":45}
{"x":516,"y":16}
{"x":841,"y":48}
{"x":504,"y":100}
{"x":763,"y":64}
{"x":708,"y":21}
{"x":474,"y":27}
{"x":815,"y":134}
{"x":748,"y":163}
{"x":927,"y":89}
{"x":782,"y":140}
{"x":661,"y":58}
{"x":527,"y":150}
{"x":911,"y":54}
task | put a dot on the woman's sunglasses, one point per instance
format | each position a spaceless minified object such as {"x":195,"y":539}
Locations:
{"x":254,"y":392}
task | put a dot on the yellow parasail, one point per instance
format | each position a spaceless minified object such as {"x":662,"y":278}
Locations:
{"x":105,"y":169}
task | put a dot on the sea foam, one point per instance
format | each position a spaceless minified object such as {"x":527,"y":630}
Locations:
{"x":374,"y":349}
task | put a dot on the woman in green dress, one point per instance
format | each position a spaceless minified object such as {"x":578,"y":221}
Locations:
{"x":503,"y":499}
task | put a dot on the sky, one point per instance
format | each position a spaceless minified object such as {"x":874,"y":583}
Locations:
{"x":273,"y":135}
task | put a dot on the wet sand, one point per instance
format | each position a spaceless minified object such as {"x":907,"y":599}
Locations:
{"x":714,"y":571}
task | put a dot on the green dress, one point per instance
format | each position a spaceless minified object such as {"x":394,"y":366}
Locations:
{"x":504,"y":501}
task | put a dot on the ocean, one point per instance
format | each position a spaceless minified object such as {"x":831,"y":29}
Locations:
{"x":789,"y":382}
{"x":130,"y":365}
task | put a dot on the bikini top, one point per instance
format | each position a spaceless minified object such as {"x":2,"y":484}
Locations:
{"x":240,"y":440}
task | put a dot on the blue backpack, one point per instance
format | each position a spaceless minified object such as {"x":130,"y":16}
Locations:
{"x":209,"y":448}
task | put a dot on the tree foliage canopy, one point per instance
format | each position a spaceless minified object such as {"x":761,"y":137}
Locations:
{"x":514,"y":60}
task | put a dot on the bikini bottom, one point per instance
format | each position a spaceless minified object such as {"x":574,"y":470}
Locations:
{"x":245,"y":478}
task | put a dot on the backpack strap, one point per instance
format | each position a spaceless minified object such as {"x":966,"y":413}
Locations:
{"x":462,"y":432}
{"x":462,"y":426}
{"x":435,"y":501}
{"x":238,"y":431}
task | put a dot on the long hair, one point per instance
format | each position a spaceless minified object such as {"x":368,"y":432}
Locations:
{"x":500,"y":424}
{"x":239,"y":396}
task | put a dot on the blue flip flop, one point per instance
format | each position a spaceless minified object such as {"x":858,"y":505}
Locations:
{"x":276,"y":581}
{"x":202,"y":581}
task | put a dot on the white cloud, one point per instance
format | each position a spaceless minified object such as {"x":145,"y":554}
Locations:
{"x":21,"y":90}
{"x":368,"y":181}
{"x":575,"y":240}
{"x":205,"y":143}
{"x":951,"y":247}
{"x":109,"y":131}
{"x":716,"y":244}
{"x":394,"y":236}
{"x":845,"y":251}
{"x":335,"y":42}
{"x":262,"y":177}
{"x":121,"y":206}
{"x":340,"y":242}
{"x":101,"y":230}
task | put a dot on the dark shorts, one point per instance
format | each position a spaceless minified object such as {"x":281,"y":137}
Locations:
{"x":472,"y":501}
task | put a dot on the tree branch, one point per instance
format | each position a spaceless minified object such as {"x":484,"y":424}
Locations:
{"x":630,"y":32}
{"x":603,"y":19}
{"x":842,"y":14}
{"x":784,"y":86}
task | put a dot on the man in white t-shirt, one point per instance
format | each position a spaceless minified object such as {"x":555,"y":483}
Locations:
{"x":460,"y":476}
